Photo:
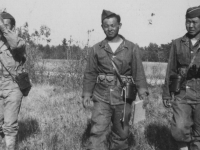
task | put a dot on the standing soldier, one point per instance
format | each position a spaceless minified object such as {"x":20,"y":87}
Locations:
{"x":12,"y":51}
{"x":102,"y":86}
{"x":182,"y":84}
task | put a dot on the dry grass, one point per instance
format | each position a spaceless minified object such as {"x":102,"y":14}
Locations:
{"x":52,"y":118}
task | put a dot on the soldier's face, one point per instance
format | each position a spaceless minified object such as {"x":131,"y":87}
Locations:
{"x":193,"y":26}
{"x":111,"y":27}
{"x":7,"y":23}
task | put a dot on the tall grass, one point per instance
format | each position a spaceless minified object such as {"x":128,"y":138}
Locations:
{"x":52,"y":118}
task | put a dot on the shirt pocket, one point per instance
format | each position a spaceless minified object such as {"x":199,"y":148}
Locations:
{"x":116,"y":94}
{"x":103,"y":59}
{"x":8,"y":59}
{"x":183,"y":59}
{"x":190,"y":89}
{"x":101,"y":90}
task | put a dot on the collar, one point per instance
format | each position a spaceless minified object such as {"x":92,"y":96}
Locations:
{"x":185,"y":38}
{"x":104,"y":43}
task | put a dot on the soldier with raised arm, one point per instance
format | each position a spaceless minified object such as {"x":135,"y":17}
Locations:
{"x":12,"y":55}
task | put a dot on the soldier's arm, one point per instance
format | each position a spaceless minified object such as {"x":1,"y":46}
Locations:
{"x":14,"y":42}
{"x":90,"y":74}
{"x":138,"y":73}
{"x":171,"y":69}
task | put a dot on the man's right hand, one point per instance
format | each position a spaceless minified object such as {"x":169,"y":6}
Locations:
{"x":167,"y":103}
{"x":87,"y":102}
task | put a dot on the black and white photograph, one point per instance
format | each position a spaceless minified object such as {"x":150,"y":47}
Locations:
{"x":99,"y":75}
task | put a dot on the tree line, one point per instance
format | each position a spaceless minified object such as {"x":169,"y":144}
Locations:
{"x":71,"y":50}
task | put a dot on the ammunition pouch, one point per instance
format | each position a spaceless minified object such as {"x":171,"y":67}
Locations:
{"x":129,"y":84}
{"x":175,"y":83}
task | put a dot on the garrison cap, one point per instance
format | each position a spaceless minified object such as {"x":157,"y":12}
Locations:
{"x":106,"y":14}
{"x":193,"y":12}
{"x":6,"y":15}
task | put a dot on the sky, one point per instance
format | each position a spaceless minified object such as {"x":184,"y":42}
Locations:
{"x":74,"y":18}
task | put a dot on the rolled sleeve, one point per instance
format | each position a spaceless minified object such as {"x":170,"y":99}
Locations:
{"x":90,"y":74}
{"x":138,"y":72}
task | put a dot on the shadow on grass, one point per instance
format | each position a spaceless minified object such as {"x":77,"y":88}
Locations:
{"x":159,"y":136}
{"x":27,"y":128}
{"x":86,"y":134}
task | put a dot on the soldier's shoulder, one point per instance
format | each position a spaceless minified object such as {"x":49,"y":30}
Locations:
{"x":178,"y":40}
{"x":131,"y":44}
{"x":97,"y":44}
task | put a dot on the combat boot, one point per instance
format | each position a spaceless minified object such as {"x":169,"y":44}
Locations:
{"x":1,"y":137}
{"x":10,"y":142}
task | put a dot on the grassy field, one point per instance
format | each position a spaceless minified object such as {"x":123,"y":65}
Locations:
{"x":52,"y":118}
{"x":151,"y":68}
{"x":154,"y":71}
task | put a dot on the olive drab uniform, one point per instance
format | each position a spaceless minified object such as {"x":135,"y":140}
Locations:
{"x":185,"y":125}
{"x":12,"y":55}
{"x":101,"y":82}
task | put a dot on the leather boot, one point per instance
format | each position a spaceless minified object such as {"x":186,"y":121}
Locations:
{"x":10,"y":142}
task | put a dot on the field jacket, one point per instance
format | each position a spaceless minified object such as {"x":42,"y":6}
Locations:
{"x":128,"y":62}
{"x":12,"y":53}
{"x":181,"y":54}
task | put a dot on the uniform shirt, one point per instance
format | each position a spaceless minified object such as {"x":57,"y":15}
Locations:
{"x":12,"y":53}
{"x":181,"y":53}
{"x":128,"y":62}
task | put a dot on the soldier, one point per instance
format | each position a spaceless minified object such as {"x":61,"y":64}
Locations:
{"x":101,"y":85}
{"x":184,"y":62}
{"x":12,"y":51}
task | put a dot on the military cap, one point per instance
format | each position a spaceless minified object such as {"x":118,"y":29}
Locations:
{"x":6,"y":15}
{"x":193,"y":12}
{"x":106,"y":14}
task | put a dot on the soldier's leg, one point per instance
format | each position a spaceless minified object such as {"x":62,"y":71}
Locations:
{"x":120,"y":132}
{"x":12,"y":105}
{"x":1,"y":118}
{"x":101,"y":119}
{"x":181,"y":123}
{"x":195,"y":144}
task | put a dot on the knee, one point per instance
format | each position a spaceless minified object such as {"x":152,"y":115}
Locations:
{"x":181,"y":133}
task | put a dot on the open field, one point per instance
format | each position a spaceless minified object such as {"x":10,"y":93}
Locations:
{"x":154,"y":71}
{"x":52,"y":118}
{"x":151,"y":68}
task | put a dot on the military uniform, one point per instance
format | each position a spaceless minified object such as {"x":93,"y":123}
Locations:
{"x":185,"y":127}
{"x":101,"y":83}
{"x":12,"y":54}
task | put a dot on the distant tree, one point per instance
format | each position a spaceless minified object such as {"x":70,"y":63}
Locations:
{"x":165,"y":51}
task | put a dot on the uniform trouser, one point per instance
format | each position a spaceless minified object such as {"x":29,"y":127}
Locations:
{"x":10,"y":102}
{"x":102,"y":115}
{"x":185,"y":125}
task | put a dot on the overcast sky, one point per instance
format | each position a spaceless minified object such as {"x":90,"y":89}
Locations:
{"x":76,"y":17}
